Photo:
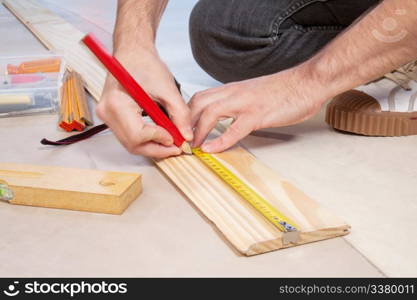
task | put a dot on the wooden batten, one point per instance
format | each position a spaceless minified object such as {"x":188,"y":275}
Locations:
{"x":240,"y":223}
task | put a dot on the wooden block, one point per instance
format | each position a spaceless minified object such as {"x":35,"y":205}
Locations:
{"x":58,"y":35}
{"x":247,"y":230}
{"x":74,"y":189}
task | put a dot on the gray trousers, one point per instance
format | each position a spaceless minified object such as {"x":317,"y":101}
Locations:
{"x":239,"y":39}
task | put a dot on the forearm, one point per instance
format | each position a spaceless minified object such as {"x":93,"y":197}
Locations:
{"x":134,"y":46}
{"x":367,"y":50}
{"x":136,"y":25}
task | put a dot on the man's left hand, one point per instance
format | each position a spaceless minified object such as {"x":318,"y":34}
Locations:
{"x":280,"y":99}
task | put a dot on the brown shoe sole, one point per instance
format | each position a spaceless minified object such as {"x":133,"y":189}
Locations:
{"x":357,"y":112}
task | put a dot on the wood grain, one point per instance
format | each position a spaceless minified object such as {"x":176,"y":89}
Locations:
{"x":58,"y":35}
{"x":242,"y":225}
{"x":68,"y":188}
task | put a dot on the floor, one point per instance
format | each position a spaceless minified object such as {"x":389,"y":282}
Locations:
{"x":371,"y":182}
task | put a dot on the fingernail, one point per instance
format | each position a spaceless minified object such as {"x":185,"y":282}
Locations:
{"x":194,"y":144}
{"x":206,"y":147}
{"x":168,"y":142}
{"x":188,"y":135}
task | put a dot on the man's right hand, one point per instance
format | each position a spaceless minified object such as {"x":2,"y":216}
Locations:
{"x":121,"y":113}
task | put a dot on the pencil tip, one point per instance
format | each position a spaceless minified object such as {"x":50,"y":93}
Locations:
{"x":186,"y":148}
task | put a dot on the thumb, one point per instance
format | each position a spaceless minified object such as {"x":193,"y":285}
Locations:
{"x":180,"y":114}
{"x":237,"y":131}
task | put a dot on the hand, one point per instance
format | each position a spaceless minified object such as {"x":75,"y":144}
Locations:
{"x":119,"y":111}
{"x":270,"y":101}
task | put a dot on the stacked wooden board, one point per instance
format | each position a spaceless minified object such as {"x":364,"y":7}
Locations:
{"x":240,"y":223}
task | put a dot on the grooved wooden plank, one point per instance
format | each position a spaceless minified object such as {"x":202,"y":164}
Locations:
{"x":248,"y":231}
{"x":62,"y":37}
{"x":69,"y":188}
{"x":243,"y":226}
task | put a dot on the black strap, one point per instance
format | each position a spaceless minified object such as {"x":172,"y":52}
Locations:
{"x":77,"y":137}
{"x":93,"y":131}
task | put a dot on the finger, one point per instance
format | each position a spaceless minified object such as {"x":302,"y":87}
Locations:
{"x":150,"y":133}
{"x":199,"y":102}
{"x":127,"y":124}
{"x":180,"y":115}
{"x":139,"y":141}
{"x":206,"y":123}
{"x":178,"y":110}
{"x":137,"y":131}
{"x":156,"y":150}
{"x":237,"y":131}
{"x":146,"y":139}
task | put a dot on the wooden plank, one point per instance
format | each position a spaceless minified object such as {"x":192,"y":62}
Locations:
{"x":243,"y":226}
{"x":60,"y":36}
{"x":68,"y":188}
{"x":248,"y":231}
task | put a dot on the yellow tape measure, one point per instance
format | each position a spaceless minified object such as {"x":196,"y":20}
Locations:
{"x":247,"y":193}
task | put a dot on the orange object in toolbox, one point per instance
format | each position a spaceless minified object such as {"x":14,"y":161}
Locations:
{"x":49,"y":65}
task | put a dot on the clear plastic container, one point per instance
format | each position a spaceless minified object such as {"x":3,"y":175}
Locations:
{"x":30,"y":84}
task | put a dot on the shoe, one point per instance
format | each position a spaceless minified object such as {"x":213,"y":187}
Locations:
{"x":385,"y":107}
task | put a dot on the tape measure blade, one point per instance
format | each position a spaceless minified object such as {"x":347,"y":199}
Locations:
{"x":246,"y":192}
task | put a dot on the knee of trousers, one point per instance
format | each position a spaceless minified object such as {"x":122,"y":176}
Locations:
{"x":224,"y":53}
{"x":202,"y":39}
{"x":218,"y":49}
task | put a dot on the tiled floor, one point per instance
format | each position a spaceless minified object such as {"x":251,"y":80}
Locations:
{"x":369,"y":181}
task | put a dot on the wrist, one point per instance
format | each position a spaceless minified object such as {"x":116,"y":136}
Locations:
{"x":136,"y":58}
{"x":324,"y":77}
{"x":135,"y":51}
{"x":306,"y":85}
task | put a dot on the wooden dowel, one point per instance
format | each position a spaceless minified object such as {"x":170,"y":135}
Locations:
{"x":75,"y":100}
{"x":74,"y":113}
{"x":63,"y":118}
{"x":85,"y":114}
{"x":62,"y":104}
{"x":70,"y":117}
{"x":77,"y":123}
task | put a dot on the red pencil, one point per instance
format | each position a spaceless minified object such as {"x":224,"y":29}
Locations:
{"x":136,"y":92}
